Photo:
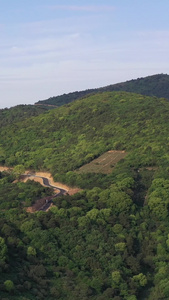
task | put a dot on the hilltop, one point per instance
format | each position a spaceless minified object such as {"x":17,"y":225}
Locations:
{"x":155,"y":85}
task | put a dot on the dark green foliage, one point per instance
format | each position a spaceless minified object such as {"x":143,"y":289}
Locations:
{"x":155,"y":85}
{"x":96,"y":244}
{"x":65,"y":98}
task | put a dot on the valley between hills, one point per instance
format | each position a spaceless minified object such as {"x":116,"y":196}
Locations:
{"x":109,"y":238}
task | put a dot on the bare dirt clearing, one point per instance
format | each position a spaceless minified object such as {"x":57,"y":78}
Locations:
{"x":4,"y":169}
{"x":104,"y":163}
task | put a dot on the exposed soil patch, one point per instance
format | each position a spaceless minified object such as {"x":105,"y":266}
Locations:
{"x":104,"y":163}
{"x":4,"y":169}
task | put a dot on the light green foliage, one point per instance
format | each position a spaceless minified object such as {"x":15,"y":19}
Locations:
{"x":162,"y":272}
{"x":133,"y":297}
{"x":27,"y":226}
{"x":83,"y":221}
{"x":116,"y":277}
{"x":18,"y":170}
{"x":120,"y":247}
{"x":125,"y":183}
{"x":164,"y":287}
{"x":141,"y":279}
{"x":92,"y":214}
{"x":31,"y":251}
{"x":9,"y":285}
{"x":119,"y":201}
{"x":105,"y":213}
{"x":161,"y":251}
{"x":158,"y":199}
{"x":158,"y":207}
{"x":117,"y":228}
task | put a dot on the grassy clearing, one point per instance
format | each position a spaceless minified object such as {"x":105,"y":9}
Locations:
{"x":104,"y":163}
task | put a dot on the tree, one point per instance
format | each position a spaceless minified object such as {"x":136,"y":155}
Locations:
{"x":140,"y":279}
{"x":92,"y":214}
{"x":120,"y":247}
{"x":119,"y":201}
{"x":116,"y":277}
{"x":158,"y":206}
{"x":31,"y":251}
{"x":18,"y":170}
{"x":9,"y":285}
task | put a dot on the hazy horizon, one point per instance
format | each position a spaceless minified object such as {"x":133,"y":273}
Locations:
{"x":48,"y":49}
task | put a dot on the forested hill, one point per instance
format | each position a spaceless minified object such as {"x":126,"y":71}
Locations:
{"x":155,"y":85}
{"x":110,"y":241}
{"x":65,"y":138}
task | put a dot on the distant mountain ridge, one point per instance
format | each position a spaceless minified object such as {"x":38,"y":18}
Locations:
{"x":155,"y":85}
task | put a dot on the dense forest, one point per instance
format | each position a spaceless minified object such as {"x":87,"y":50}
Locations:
{"x":155,"y":85}
{"x":110,"y":240}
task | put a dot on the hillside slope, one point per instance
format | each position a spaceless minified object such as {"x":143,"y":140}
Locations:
{"x":63,"y":139}
{"x":155,"y":85}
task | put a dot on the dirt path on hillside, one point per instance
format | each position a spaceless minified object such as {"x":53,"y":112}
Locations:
{"x":70,"y":190}
{"x":4,"y":169}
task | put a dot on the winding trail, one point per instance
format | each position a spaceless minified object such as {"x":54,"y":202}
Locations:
{"x":46,"y":182}
{"x":46,"y":179}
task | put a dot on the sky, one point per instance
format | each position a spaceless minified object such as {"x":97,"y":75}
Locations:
{"x":50,"y":47}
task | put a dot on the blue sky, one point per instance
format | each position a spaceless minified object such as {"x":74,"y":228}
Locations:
{"x":49,"y":47}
